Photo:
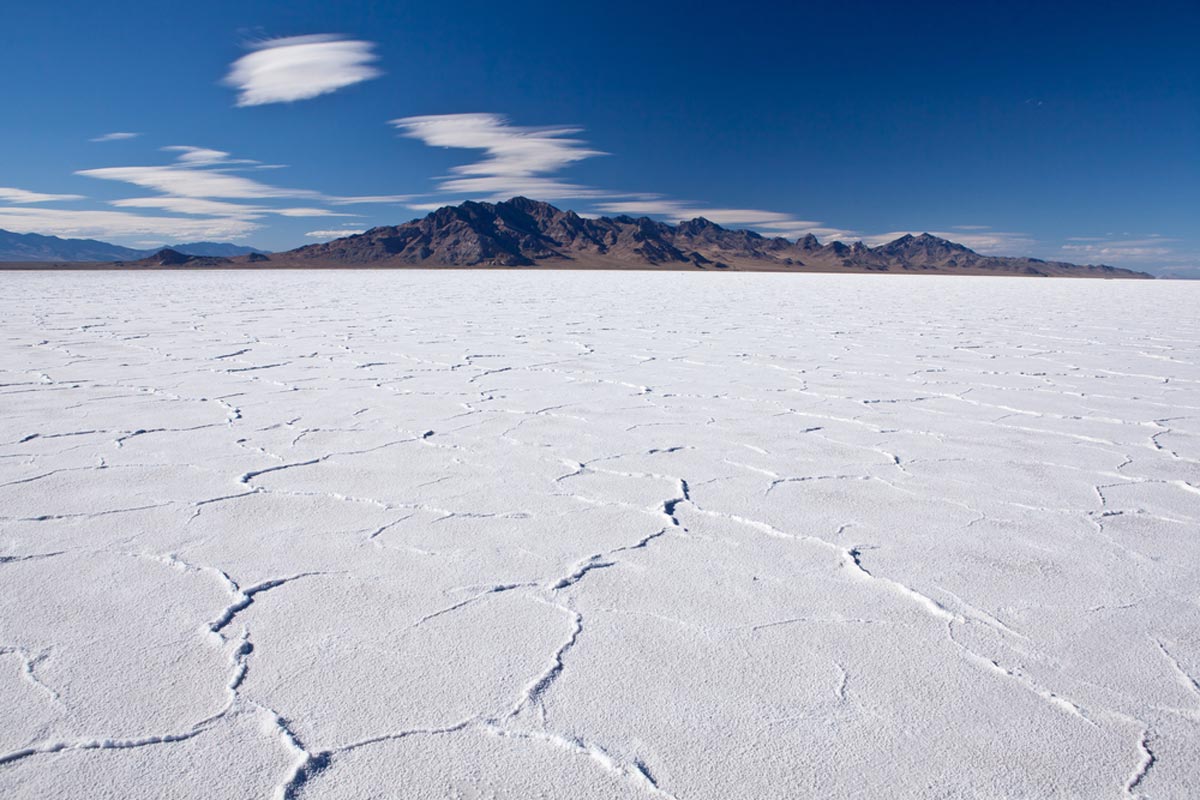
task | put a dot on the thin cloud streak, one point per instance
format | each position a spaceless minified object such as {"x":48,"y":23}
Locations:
{"x":1146,"y":249}
{"x":1003,"y":243}
{"x":299,"y":68}
{"x":190,"y":182}
{"x":206,"y":207}
{"x":769,"y":223}
{"x":201,"y":183}
{"x":332,"y":234}
{"x":120,"y":224}
{"x":22,"y":196}
{"x":115,"y":136}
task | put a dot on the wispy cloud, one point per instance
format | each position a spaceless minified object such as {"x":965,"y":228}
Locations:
{"x":300,"y":67}
{"x":11,"y":195}
{"x":369,"y":198}
{"x":332,"y":234}
{"x":205,"y":156}
{"x":203,"y":184}
{"x":517,"y":160}
{"x":116,"y":136}
{"x":199,"y":172}
{"x":120,"y":224}
{"x":427,"y":207}
{"x":192,"y":205}
{"x":976,"y":237}
{"x":770,"y":223}
{"x":1148,"y":248}
{"x":205,"y":207}
{"x":188,"y":182}
{"x":203,"y":173}
{"x":308,"y":212}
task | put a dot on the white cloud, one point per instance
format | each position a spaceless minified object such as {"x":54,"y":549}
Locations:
{"x":201,"y":172}
{"x":203,"y":182}
{"x":677,"y":211}
{"x":218,"y":208}
{"x":116,"y":136}
{"x":202,"y":156}
{"x":516,"y":161}
{"x":192,"y":205}
{"x":1149,"y":248}
{"x":10,"y":195}
{"x":187,"y":182}
{"x":198,"y":172}
{"x":427,"y":207}
{"x":1002,"y":243}
{"x":769,"y":223}
{"x":120,"y":224}
{"x":521,"y":160}
{"x":332,"y":234}
{"x":369,"y":198}
{"x":299,"y":67}
{"x":308,"y":212}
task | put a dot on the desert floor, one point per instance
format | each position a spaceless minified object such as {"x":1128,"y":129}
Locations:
{"x":592,"y":535}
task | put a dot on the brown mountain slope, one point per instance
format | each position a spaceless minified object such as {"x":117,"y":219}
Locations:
{"x":523,"y":232}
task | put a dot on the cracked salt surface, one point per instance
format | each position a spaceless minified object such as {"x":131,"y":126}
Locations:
{"x":471,"y":534}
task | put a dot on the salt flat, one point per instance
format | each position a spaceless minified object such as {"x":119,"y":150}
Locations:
{"x":591,"y":535}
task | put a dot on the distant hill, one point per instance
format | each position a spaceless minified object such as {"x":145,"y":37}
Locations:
{"x":523,"y":233}
{"x":217,"y":249}
{"x":35,"y":247}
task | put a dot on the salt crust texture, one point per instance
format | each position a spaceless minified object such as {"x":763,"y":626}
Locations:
{"x":594,"y":535}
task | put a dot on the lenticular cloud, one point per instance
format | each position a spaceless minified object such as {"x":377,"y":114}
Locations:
{"x":300,"y":67}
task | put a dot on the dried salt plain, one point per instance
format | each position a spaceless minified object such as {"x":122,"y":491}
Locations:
{"x":596,"y":535}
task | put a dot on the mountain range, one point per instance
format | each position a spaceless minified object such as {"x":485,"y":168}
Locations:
{"x":527,"y":233}
{"x":523,"y":233}
{"x":35,"y":247}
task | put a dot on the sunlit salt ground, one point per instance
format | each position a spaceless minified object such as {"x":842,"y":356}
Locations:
{"x":595,"y":535}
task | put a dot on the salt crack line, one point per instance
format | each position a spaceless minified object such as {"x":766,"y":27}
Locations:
{"x":587,"y":565}
{"x":46,"y":748}
{"x":1052,"y":698}
{"x":306,"y":765}
{"x":850,"y":557}
{"x":30,"y":557}
{"x":29,"y":662}
{"x":1182,"y":676}
{"x":398,"y":735}
{"x":536,"y":689}
{"x":245,"y":597}
{"x":1143,"y":766}
{"x":246,"y":477}
{"x":499,"y":588}
{"x":636,"y":773}
{"x":853,"y":557}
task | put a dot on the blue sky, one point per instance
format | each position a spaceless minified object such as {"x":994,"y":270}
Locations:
{"x":1058,"y":130}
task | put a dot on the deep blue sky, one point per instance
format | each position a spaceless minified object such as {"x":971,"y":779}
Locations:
{"x":1059,"y":130}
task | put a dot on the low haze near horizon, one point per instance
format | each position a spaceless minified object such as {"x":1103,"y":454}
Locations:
{"x":1066,"y":133}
